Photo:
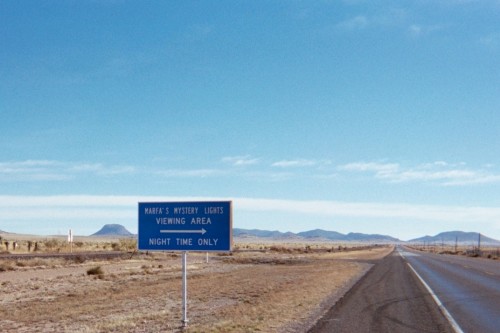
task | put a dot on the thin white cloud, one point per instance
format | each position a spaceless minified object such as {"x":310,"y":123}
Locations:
{"x":476,"y":179}
{"x":28,"y":165}
{"x":89,"y":206}
{"x":415,"y":30}
{"x":371,"y":166}
{"x":32,"y":170}
{"x":491,"y":41}
{"x":101,"y":169}
{"x":240,"y":160}
{"x":391,"y":17}
{"x":381,"y":170}
{"x":374,"y":210}
{"x":355,"y":23}
{"x":419,"y":30}
{"x":197,"y":32}
{"x":294,"y":163}
{"x":439,"y":172}
{"x":47,"y":170}
{"x":190,"y":173}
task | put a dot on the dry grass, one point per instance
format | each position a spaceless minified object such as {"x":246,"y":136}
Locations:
{"x":488,"y":252}
{"x":253,"y":291}
{"x":59,"y":244}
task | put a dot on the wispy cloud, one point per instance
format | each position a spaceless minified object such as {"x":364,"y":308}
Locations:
{"x":49,"y":170}
{"x":379,"y":168}
{"x":373,"y":210}
{"x":355,"y":23}
{"x":190,"y":173}
{"x":420,"y":30}
{"x":198,"y":32}
{"x":391,"y":17}
{"x":294,"y":163}
{"x":417,"y":30}
{"x":240,"y":160}
{"x":31,"y":170}
{"x":101,"y":169}
{"x":491,"y":41}
{"x":438,"y":172}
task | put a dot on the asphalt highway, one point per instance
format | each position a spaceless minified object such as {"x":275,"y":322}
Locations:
{"x":389,"y":298}
{"x":469,"y":288}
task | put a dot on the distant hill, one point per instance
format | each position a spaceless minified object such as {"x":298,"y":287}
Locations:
{"x":319,"y":233}
{"x":459,"y":236}
{"x":354,"y":236}
{"x":316,"y":234}
{"x":256,"y":233}
{"x":262,"y":233}
{"x":113,"y":230}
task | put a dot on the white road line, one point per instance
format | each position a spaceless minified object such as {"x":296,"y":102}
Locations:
{"x":440,"y":305}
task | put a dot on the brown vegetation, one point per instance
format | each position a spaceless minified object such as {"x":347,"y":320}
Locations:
{"x":283,"y":289}
{"x":59,"y":244}
{"x":487,"y":252}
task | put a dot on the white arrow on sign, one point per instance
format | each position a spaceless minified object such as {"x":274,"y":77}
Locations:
{"x":202,"y":231}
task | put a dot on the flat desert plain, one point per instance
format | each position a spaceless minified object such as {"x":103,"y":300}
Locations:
{"x":278,"y":288}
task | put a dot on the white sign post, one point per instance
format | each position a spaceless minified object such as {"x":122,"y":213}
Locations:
{"x":70,"y":240}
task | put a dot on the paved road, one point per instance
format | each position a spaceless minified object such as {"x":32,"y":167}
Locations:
{"x":389,"y":298}
{"x":469,"y":288}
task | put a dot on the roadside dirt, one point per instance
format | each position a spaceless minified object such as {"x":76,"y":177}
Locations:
{"x":274,"y":291}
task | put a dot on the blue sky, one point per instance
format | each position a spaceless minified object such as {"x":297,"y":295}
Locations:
{"x":353,"y":116}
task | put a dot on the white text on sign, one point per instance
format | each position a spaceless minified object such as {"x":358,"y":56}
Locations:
{"x":183,"y":241}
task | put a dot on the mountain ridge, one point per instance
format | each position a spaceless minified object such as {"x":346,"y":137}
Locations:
{"x":320,"y":234}
{"x":448,"y":237}
{"x":316,"y":234}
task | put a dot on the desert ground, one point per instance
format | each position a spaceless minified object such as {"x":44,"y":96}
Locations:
{"x":259,"y":287}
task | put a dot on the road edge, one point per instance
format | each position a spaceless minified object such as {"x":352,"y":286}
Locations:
{"x":438,"y":302}
{"x":329,"y":302}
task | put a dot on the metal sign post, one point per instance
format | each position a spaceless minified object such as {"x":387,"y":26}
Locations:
{"x":184,"y":289}
{"x":70,"y":240}
{"x":185,"y":226}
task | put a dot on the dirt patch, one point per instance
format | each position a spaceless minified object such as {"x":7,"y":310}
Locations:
{"x":245,"y":292}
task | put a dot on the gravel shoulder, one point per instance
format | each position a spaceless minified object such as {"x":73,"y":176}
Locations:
{"x":389,"y":298}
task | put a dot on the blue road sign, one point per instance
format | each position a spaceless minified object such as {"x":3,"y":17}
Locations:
{"x":185,"y":226}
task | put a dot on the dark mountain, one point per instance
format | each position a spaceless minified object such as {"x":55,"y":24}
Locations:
{"x":357,"y":237}
{"x":459,"y":236}
{"x":319,"y":233}
{"x":261,"y":233}
{"x":316,"y":234}
{"x":113,"y":230}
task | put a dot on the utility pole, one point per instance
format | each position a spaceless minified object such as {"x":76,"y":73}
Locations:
{"x":479,"y":244}
{"x":456,"y":242}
